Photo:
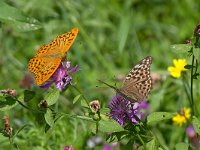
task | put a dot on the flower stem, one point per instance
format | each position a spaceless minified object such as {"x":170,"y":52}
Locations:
{"x":191,"y":86}
{"x":82,"y":96}
{"x":192,"y":73}
{"x":11,"y":143}
{"x":139,"y":137}
{"x":187,"y":90}
{"x":33,"y":110}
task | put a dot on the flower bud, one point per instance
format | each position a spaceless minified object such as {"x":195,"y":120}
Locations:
{"x":7,"y":129}
{"x":43,"y":104}
{"x":9,"y":92}
{"x":95,"y":105}
{"x":188,"y":41}
{"x":197,"y":30}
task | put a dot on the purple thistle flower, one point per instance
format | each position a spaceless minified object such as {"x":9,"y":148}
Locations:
{"x":121,"y":109}
{"x":144,"y":108}
{"x":61,"y":77}
{"x":144,"y":105}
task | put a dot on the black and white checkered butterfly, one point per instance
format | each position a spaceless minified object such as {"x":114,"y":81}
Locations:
{"x":137,"y":83}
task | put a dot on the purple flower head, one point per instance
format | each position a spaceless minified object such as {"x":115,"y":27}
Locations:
{"x":190,"y":132}
{"x":192,"y":136}
{"x":68,"y":148}
{"x":122,"y":109}
{"x":144,"y":105}
{"x":144,"y":108}
{"x":61,"y":77}
{"x":107,"y":147}
{"x":111,"y":146}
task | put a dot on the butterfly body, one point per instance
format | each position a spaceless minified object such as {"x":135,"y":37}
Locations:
{"x":49,"y":57}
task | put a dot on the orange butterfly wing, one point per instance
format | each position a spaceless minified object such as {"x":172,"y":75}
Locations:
{"x":49,"y":57}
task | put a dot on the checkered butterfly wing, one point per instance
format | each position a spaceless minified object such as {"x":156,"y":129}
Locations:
{"x":138,"y":82}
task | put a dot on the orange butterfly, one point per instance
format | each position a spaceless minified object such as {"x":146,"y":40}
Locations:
{"x":49,"y":57}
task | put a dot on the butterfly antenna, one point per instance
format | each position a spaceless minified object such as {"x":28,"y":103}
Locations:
{"x":108,"y":85}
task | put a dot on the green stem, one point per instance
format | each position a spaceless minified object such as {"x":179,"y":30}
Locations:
{"x":139,"y":137}
{"x":191,"y":87}
{"x":196,"y":44}
{"x":97,"y":127}
{"x":34,"y":110}
{"x":77,"y":117}
{"x":11,"y":142}
{"x":187,"y":90}
{"x":82,"y":95}
{"x":163,"y":147}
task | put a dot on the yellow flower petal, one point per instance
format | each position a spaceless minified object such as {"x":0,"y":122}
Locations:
{"x":182,"y":117}
{"x":179,"y":120}
{"x":178,"y":67}
{"x":180,"y":63}
{"x":174,"y":72}
{"x":170,"y":68}
{"x":187,"y":112}
{"x":175,"y":62}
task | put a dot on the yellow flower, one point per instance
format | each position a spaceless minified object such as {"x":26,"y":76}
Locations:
{"x":187,"y":112}
{"x":178,"y":67}
{"x":179,"y":120}
{"x":182,"y":116}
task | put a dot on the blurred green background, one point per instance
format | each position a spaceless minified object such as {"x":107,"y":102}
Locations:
{"x":113,"y":36}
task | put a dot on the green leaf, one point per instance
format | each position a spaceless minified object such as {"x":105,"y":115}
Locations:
{"x":20,"y":129}
{"x":47,"y":128}
{"x":49,"y":117}
{"x":183,"y":48}
{"x":182,"y":146}
{"x":196,"y":52}
{"x":28,"y":95}
{"x":158,"y":116}
{"x":76,"y":98}
{"x":129,"y":145}
{"x":93,"y":127}
{"x":52,"y":97}
{"x":7,"y":103}
{"x":141,"y":148}
{"x":16,"y":19}
{"x":105,"y":110}
{"x":188,"y":66}
{"x":152,"y":145}
{"x":123,"y":32}
{"x":109,"y":126}
{"x":84,"y":103}
{"x":195,"y":76}
{"x":116,"y":136}
{"x":196,"y":124}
